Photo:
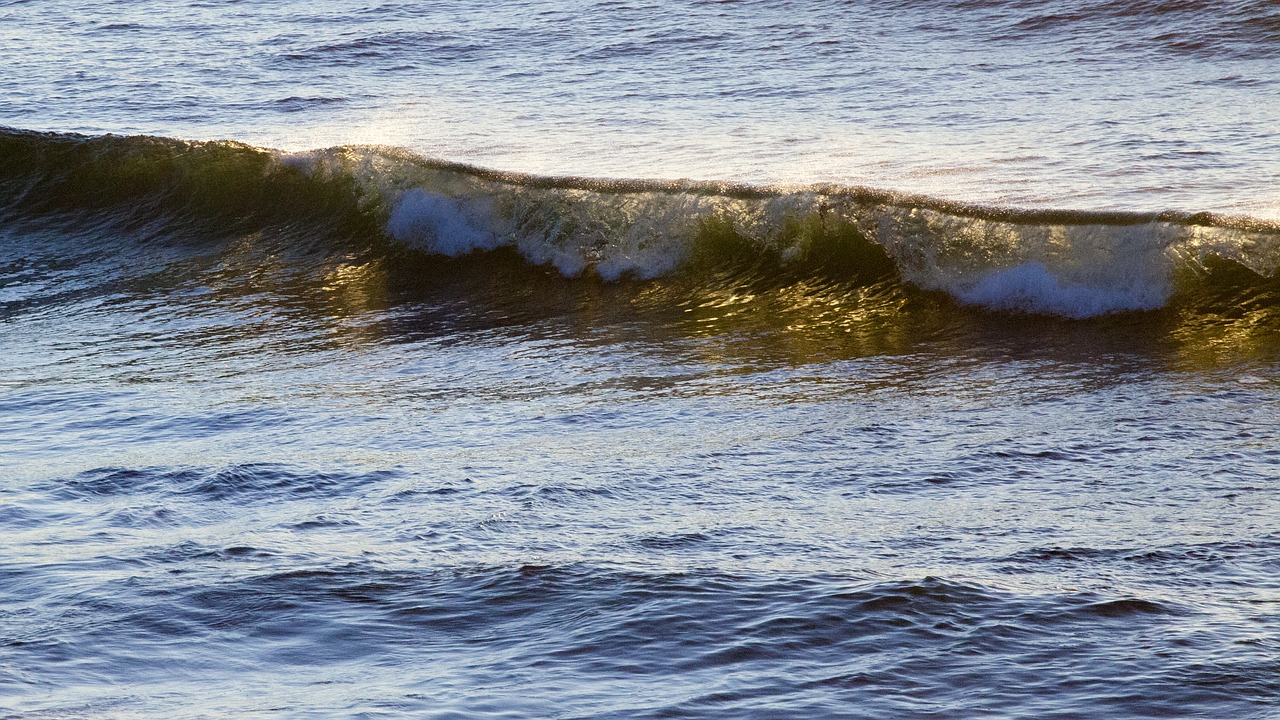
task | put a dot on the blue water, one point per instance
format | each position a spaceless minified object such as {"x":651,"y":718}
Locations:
{"x":1141,"y":104}
{"x":945,"y":385}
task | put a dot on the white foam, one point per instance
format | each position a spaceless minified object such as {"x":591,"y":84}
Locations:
{"x":1074,"y":271}
{"x":644,"y":235}
{"x":443,"y":225}
{"x":539,"y":251}
{"x":1031,"y":287}
{"x":1070,"y":269}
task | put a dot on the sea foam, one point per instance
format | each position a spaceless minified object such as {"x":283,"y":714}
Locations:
{"x":1031,"y":287}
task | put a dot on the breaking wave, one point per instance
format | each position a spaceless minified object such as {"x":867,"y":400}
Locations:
{"x":1070,"y":263}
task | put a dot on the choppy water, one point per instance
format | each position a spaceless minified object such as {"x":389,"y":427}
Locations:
{"x":351,"y":432}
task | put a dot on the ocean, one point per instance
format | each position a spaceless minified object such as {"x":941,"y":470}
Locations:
{"x":701,"y":359}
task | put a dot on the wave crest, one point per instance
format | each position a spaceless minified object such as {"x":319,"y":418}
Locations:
{"x":1063,"y":262}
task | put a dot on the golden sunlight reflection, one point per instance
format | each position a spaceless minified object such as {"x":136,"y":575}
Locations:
{"x":352,"y":292}
{"x":356,"y":288}
{"x":1209,"y":341}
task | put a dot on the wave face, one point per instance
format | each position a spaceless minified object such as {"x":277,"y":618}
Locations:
{"x":1057,"y":262}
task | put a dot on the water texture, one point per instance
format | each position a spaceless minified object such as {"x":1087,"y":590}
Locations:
{"x":370,"y":360}
{"x":1138,"y":105}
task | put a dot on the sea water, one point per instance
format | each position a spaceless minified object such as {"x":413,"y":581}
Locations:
{"x":629,"y":360}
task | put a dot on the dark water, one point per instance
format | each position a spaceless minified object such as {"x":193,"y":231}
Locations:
{"x":355,"y":433}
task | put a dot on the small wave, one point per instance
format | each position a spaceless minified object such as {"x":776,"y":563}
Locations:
{"x":297,"y":103}
{"x":238,"y":483}
{"x":1069,"y":263}
{"x":1195,"y":28}
{"x":810,"y":646}
{"x":443,"y":46}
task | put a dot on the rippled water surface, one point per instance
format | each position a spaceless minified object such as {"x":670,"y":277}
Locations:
{"x":279,"y":476}
{"x":1140,"y":104}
